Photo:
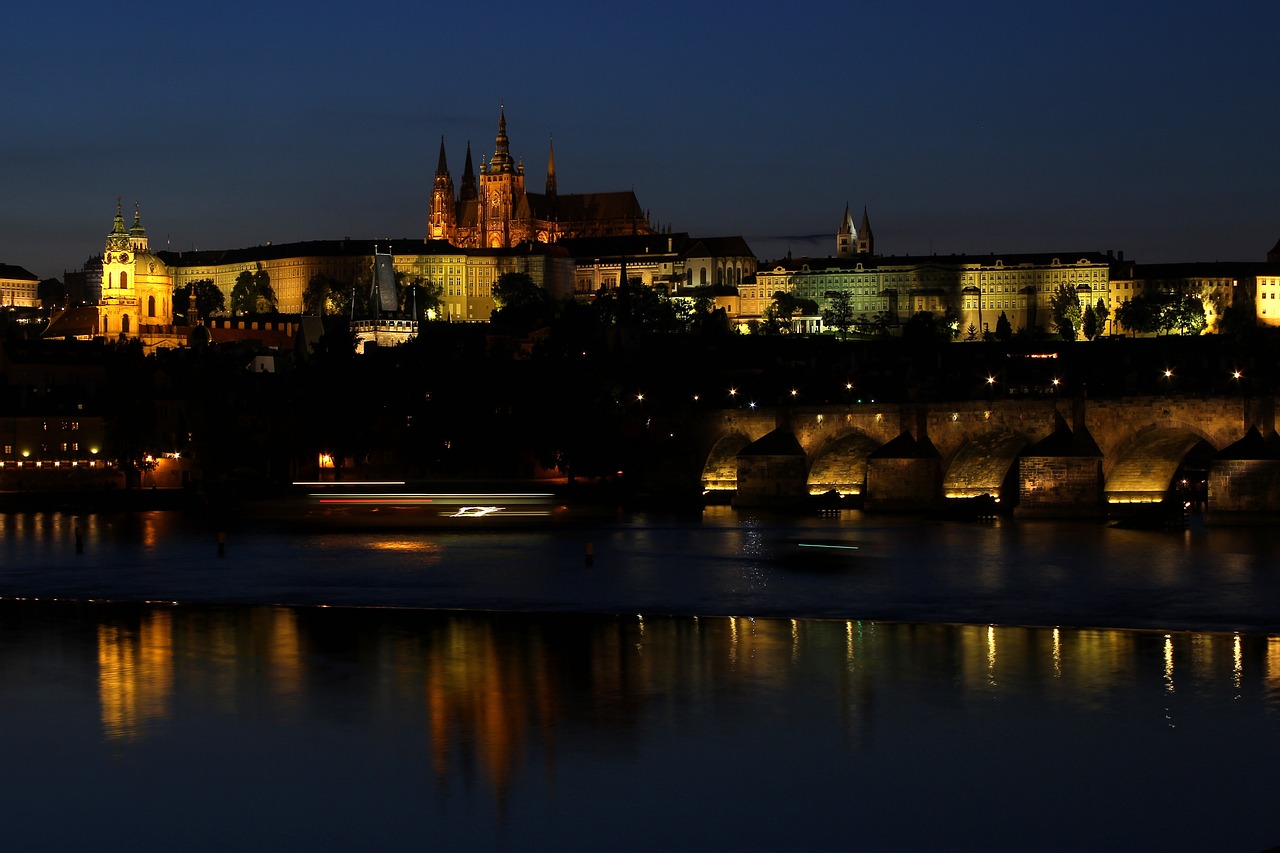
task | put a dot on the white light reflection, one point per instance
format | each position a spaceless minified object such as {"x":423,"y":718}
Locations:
{"x":733,"y":639}
{"x":1237,"y":669}
{"x":795,"y":640}
{"x":991,"y":655}
{"x":1057,"y":653}
{"x":1168,"y":678}
{"x":848,"y":643}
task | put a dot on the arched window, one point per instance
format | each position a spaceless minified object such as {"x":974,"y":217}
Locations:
{"x":124,"y":279}
{"x":702,"y":276}
{"x":151,"y":306}
{"x":124,"y":324}
{"x":106,"y":324}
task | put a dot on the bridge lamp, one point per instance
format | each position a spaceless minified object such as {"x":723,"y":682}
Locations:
{"x":695,"y":398}
{"x":639,"y":398}
{"x":794,"y":392}
{"x":733,"y":392}
{"x":751,"y":405}
{"x":1235,"y":374}
{"x":848,"y":386}
{"x":1168,"y":374}
{"x":1056,"y":381}
{"x":991,"y":380}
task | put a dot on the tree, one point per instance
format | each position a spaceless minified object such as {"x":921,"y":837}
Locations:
{"x":1186,"y":316}
{"x":926,"y":326}
{"x":1004,"y":329}
{"x":839,"y":313}
{"x":520,"y":302}
{"x":1103,"y":313}
{"x":1154,"y":312}
{"x":777,"y":317}
{"x":1065,"y":308}
{"x":264,"y":294}
{"x":1089,"y":323}
{"x":243,"y":297}
{"x":209,"y":299}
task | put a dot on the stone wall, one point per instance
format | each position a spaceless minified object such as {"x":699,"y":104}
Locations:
{"x":1063,"y":486}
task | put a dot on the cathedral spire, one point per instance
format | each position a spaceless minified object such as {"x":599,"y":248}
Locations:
{"x":442,"y":168}
{"x":551,"y":170}
{"x":468,"y":191}
{"x":500,"y":163}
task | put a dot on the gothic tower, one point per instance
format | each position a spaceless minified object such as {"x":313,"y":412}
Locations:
{"x":866,"y":242}
{"x":502,"y":192}
{"x":847,"y":236}
{"x":442,"y":220}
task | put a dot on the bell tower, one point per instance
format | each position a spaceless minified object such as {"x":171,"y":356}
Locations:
{"x":501,"y":190}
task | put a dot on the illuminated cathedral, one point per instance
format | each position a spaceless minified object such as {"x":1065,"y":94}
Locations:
{"x":493,"y":210}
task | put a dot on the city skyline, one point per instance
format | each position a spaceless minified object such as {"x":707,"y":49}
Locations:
{"x":988,"y":129}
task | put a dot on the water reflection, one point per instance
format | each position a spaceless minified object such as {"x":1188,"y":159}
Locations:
{"x":545,"y":718}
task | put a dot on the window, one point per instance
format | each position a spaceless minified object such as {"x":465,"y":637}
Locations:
{"x":151,"y":306}
{"x":124,"y":279}
{"x":124,"y":324}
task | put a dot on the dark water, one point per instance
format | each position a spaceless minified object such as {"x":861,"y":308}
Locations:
{"x":248,"y":717}
{"x":1040,"y":573}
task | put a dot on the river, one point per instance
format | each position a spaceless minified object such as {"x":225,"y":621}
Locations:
{"x":732,"y":680}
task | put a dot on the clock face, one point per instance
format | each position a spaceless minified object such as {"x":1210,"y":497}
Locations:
{"x":124,"y":258}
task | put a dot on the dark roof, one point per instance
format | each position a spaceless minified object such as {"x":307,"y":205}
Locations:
{"x":905,"y":446}
{"x":9,"y":272}
{"x":72,"y":321}
{"x":630,"y":245}
{"x":779,"y":442}
{"x":1252,"y":446}
{"x":1011,"y":261}
{"x":1063,"y":441}
{"x":337,"y":249}
{"x":1208,"y":269}
{"x":586,"y":207}
{"x":719,"y":247}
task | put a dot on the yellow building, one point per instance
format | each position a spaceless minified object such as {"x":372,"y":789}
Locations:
{"x":137,"y":287}
{"x":465,"y":276}
{"x":975,"y":289}
{"x":18,"y":288}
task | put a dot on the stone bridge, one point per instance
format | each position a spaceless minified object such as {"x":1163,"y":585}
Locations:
{"x":1048,"y":456}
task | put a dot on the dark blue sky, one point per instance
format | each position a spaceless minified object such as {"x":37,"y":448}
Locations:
{"x":963,"y":127}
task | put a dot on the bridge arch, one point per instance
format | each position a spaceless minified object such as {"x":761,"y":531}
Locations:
{"x":985,"y":465}
{"x":840,"y":464}
{"x":1144,"y":466}
{"x":720,"y":473}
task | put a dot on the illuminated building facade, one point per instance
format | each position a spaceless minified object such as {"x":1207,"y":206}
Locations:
{"x":976,"y":289}
{"x":18,"y":287}
{"x":137,"y":288}
{"x":465,"y":276}
{"x":494,"y":210}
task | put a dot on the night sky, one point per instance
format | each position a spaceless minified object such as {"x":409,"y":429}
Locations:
{"x":1148,"y":127}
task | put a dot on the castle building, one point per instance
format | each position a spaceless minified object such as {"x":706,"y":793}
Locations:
{"x":494,"y":210}
{"x":975,"y":289}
